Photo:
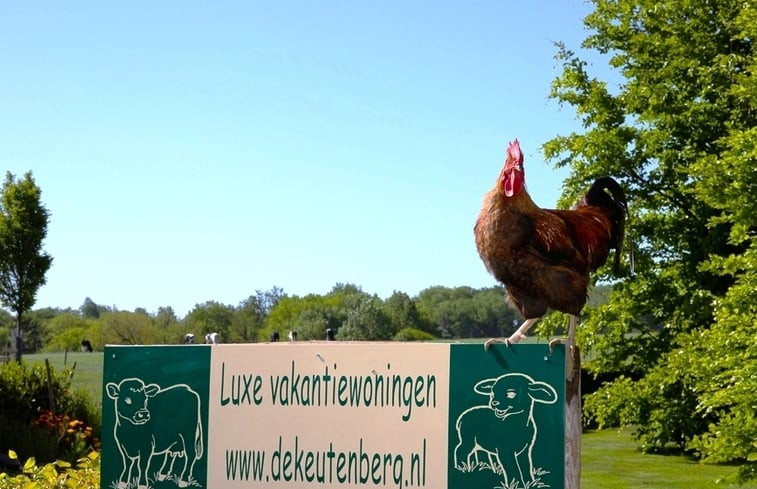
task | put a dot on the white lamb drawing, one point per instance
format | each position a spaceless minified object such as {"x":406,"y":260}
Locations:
{"x":504,"y":429}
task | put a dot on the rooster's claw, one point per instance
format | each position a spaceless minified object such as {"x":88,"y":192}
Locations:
{"x":556,"y":341}
{"x":492,"y":341}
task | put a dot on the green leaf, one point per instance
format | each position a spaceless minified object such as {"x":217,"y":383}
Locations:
{"x":30,"y":465}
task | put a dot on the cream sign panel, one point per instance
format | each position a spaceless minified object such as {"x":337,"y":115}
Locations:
{"x":333,"y":415}
{"x":319,"y":414}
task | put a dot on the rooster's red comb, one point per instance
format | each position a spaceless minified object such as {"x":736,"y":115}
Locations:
{"x":513,"y":150}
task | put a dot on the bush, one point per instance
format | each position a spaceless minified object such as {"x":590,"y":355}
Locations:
{"x":84,"y":475}
{"x":657,"y":407}
{"x":74,"y":438}
{"x":412,"y":334}
{"x":30,"y":426}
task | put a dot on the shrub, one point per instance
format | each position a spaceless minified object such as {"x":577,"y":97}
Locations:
{"x":74,"y":438}
{"x":27,"y":422}
{"x":60,"y":474}
{"x":412,"y":334}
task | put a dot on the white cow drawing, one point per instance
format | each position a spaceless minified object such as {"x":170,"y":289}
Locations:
{"x":148,"y":425}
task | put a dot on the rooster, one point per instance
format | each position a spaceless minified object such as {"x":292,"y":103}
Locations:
{"x":544,"y":256}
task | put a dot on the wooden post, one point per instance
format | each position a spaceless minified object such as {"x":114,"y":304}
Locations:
{"x":573,"y":423}
{"x":51,"y":398}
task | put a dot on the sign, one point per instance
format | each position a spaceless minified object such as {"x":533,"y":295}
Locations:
{"x":333,"y":415}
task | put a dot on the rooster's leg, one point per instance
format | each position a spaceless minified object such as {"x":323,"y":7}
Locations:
{"x":519,"y":334}
{"x":571,"y":342}
{"x":572,"y":330}
{"x":571,"y":346}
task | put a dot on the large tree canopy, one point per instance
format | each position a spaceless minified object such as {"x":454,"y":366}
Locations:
{"x":23,"y":263}
{"x":679,"y":132}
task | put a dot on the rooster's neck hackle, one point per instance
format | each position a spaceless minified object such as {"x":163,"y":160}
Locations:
{"x":520,"y":202}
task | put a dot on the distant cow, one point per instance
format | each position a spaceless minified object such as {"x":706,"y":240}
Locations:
{"x":152,"y":421}
{"x":274,"y":336}
{"x":189,"y":339}
{"x":86,"y":346}
{"x":212,"y":339}
{"x":293,"y":336}
{"x":505,"y":428}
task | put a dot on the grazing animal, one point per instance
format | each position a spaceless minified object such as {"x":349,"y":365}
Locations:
{"x":10,"y":466}
{"x":544,"y":256}
{"x":274,"y":336}
{"x":292,"y":336}
{"x":152,"y":421}
{"x":505,"y":428}
{"x":86,"y":346}
{"x":212,"y":339}
{"x":189,"y":339}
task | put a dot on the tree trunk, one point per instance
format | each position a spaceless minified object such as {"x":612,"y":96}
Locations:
{"x":17,"y":343}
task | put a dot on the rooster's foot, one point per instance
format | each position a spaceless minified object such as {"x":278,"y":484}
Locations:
{"x":556,"y":341}
{"x":570,"y":362}
{"x":493,"y":341}
{"x":514,"y":338}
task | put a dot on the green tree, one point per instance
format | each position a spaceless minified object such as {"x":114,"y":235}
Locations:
{"x":439,"y":306}
{"x":402,"y":312}
{"x":167,"y":323}
{"x":127,"y":328}
{"x":269,"y":298}
{"x":310,"y":316}
{"x":282,"y":317}
{"x":492,"y":316}
{"x":367,"y":320}
{"x":89,"y":309}
{"x":247,"y":320}
{"x":6,"y":324}
{"x":249,"y":317}
{"x":23,"y":262}
{"x":66,"y":331}
{"x":679,"y":133}
{"x":313,"y":314}
{"x":165,"y":317}
{"x":211,"y":317}
{"x":313,"y":321}
{"x":464,"y":312}
{"x":36,"y":326}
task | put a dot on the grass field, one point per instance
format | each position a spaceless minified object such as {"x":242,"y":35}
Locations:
{"x":88,"y":369}
{"x":610,"y":459}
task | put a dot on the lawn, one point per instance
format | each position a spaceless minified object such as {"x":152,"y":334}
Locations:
{"x":610,"y":459}
{"x":88,"y":369}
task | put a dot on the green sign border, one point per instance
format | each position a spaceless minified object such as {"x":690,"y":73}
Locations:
{"x":518,"y":440}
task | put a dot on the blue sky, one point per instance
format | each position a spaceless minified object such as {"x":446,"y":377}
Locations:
{"x":195,"y":151}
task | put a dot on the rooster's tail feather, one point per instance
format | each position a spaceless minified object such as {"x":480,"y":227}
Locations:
{"x":608,"y":194}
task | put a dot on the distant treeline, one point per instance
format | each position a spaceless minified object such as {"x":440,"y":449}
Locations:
{"x":348,"y":311}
